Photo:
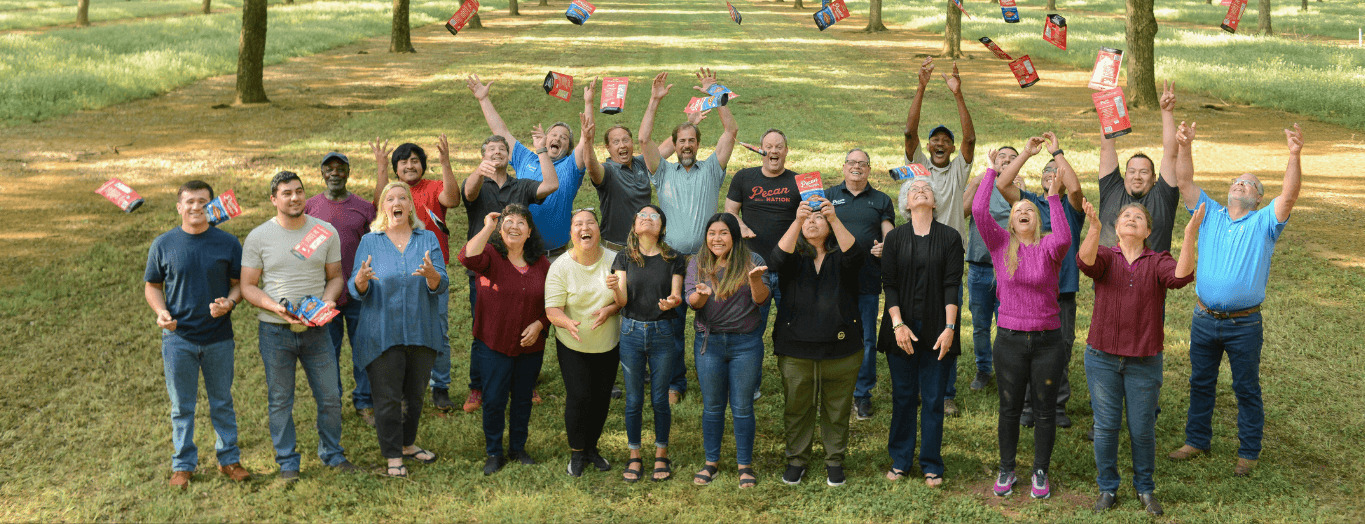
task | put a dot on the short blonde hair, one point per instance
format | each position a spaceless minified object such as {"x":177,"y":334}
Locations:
{"x":381,"y":219}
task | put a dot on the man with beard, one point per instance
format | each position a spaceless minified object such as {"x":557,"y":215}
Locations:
{"x":688,"y":190}
{"x":1236,"y":243}
{"x":948,"y":174}
{"x":552,"y":216}
{"x":351,"y":216}
{"x":868,"y":214}
{"x":1139,"y":184}
{"x":431,"y":198}
{"x":273,"y":274}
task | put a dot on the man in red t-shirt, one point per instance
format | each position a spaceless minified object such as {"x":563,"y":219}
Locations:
{"x":431,"y":198}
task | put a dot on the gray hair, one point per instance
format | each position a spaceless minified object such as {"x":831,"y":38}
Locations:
{"x":565,"y":126}
{"x":856,"y":150}
{"x":904,"y":199}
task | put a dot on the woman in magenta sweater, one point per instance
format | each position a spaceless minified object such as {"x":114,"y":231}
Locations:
{"x":1029,"y":348}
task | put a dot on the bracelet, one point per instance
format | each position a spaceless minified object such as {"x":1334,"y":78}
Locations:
{"x":542,"y":150}
{"x":1058,"y":152}
{"x":950,"y":327}
{"x":897,"y":326}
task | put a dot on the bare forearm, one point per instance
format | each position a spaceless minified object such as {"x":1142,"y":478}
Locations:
{"x":156,"y":297}
{"x":1188,"y":256}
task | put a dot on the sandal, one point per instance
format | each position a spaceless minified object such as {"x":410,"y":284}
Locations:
{"x":704,"y":476}
{"x":894,"y":474}
{"x":415,"y":456}
{"x":933,"y":480}
{"x":397,"y":472}
{"x":633,"y":471}
{"x":666,"y":469}
{"x":749,"y":482}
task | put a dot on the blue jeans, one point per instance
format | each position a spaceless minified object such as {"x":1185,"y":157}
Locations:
{"x":728,"y":366}
{"x":650,"y":342}
{"x":280,"y":350}
{"x":984,"y":306}
{"x":1240,"y":339}
{"x":773,"y":300}
{"x":183,"y":362}
{"x":1119,"y":385}
{"x":677,"y":357}
{"x":440,"y":370}
{"x":867,"y":374}
{"x":918,"y":382}
{"x":506,"y":378}
{"x":344,"y":326}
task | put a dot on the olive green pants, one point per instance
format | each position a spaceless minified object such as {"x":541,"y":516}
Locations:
{"x":823,"y":389}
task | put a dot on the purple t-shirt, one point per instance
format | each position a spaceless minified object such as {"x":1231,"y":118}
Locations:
{"x":350,"y":217}
{"x":1028,"y":298}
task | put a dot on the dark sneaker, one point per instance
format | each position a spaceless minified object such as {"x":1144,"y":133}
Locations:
{"x":596,"y":460}
{"x":863,"y":409}
{"x":834,"y":475}
{"x":1149,"y":503}
{"x":347,"y":466}
{"x":1041,"y":488}
{"x":1090,"y":434}
{"x":1105,"y":502}
{"x":576,"y":461}
{"x":979,"y":383}
{"x":522,"y":457}
{"x":616,"y":391}
{"x":493,"y":464}
{"x":793,"y":475}
{"x":1026,"y":418}
{"x":949,"y":408}
{"x":440,"y":399}
{"x":1063,"y":421}
{"x":289,"y":475}
{"x":1004,"y":483}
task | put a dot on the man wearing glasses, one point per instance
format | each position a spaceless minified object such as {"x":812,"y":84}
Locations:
{"x":869,"y":214}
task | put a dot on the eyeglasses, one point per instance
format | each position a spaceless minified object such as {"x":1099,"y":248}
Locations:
{"x":1249,"y":183}
{"x":651,"y":216}
{"x":857,"y":163}
{"x":920,"y":188}
{"x":582,"y":209}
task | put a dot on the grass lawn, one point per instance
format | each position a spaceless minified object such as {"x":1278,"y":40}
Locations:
{"x":86,"y":431}
{"x":45,"y":14}
{"x":1315,"y":79}
{"x":60,"y":71}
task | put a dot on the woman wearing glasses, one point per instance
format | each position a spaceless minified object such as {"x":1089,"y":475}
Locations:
{"x":582,"y":307}
{"x":647,"y":280}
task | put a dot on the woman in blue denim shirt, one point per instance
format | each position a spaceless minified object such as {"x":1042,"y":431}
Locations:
{"x":647,"y":277}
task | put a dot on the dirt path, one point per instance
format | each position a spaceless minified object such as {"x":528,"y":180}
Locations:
{"x":51,"y":168}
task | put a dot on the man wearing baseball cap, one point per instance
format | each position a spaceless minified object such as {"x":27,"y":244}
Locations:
{"x":351,"y":216}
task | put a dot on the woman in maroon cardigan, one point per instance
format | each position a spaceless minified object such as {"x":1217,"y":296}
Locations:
{"x":509,"y":325}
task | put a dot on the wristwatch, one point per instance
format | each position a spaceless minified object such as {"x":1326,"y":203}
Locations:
{"x":542,"y":150}
{"x":1057,"y":152}
{"x":950,"y":326}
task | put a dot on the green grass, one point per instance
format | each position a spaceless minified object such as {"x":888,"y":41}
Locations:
{"x":1313,"y":79}
{"x":86,"y":435}
{"x":53,"y":13}
{"x":57,"y":72}
{"x":1329,"y":19}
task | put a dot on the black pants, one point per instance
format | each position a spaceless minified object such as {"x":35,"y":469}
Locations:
{"x":1066,"y":302}
{"x":1025,"y":359}
{"x":399,"y":374}
{"x":587,"y":393}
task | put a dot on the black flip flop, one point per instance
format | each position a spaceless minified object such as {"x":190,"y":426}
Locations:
{"x":710,"y":473}
{"x":420,"y":451}
{"x":637,"y":472}
{"x":402,"y":472}
{"x":747,"y":483}
{"x":666,"y":469}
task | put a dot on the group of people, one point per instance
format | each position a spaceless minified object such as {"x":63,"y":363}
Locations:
{"x":614,"y":286}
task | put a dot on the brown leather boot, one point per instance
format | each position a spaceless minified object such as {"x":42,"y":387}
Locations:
{"x":236,"y":472}
{"x":1244,"y":467}
{"x":181,"y":479}
{"x":1186,"y":452}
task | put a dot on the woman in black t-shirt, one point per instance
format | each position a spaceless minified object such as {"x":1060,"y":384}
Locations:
{"x":818,"y":337}
{"x":648,"y":280}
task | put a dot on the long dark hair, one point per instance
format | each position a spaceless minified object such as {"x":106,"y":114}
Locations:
{"x":633,"y":242}
{"x":535,"y":246}
{"x":737,"y":263}
{"x":806,"y":249}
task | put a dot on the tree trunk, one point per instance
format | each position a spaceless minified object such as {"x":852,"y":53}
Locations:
{"x":1305,"y":5}
{"x":512,"y":8}
{"x":874,"y":17}
{"x":1051,"y":5}
{"x":251,"y":54}
{"x":83,"y":13}
{"x":474,"y":22}
{"x":1264,"y":19}
{"x":208,"y":6}
{"x":1141,"y":59}
{"x":544,"y":2}
{"x":797,"y":5}
{"x":952,"y":33}
{"x":400,"y":36}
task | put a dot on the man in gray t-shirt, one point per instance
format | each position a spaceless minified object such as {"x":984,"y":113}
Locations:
{"x":689,"y":192}
{"x":289,"y":257}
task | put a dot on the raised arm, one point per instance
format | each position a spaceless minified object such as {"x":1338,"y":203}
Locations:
{"x":1071,"y":184}
{"x":657,"y":91}
{"x":450,"y":186}
{"x":841,"y":233}
{"x":968,"y":195}
{"x":490,"y":113}
{"x":473,"y":184}
{"x":584,"y":156}
{"x":1060,"y":239}
{"x":992,"y":234}
{"x":1090,"y":245}
{"x":1184,"y":166}
{"x":475,"y":246}
{"x":926,"y":69}
{"x":549,"y":178}
{"x":1109,"y":155}
{"x":788,"y":241}
{"x":381,"y":168}
{"x":1005,"y":182}
{"x":968,"y":149}
{"x":1168,"y":141}
{"x":1184,"y":266}
{"x":1292,"y":175}
{"x":730,"y":132}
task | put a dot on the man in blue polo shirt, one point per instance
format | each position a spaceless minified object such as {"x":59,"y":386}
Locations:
{"x":1236,"y":243}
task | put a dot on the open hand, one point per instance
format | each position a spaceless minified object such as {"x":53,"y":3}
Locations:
{"x":587,"y":126}
{"x":364,"y":274}
{"x":1195,"y":220}
{"x":905,"y":339}
{"x":537,"y":137}
{"x":926,"y":71}
{"x":603,"y":314}
{"x":572,"y":328}
{"x":427,"y":269}
{"x":381,"y":152}
{"x":706,"y":77}
{"x":696,"y":118}
{"x":757,"y":272}
{"x":660,"y":87}
{"x":955,"y":81}
{"x":1184,"y":135}
{"x":944,"y":343}
{"x":480,"y":90}
{"x":443,"y":147}
{"x":589,"y":90}
{"x":1295,"y":139}
{"x":703,"y":290}
{"x":669,"y":302}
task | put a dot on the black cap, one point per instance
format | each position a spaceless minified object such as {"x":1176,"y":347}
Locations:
{"x":337,"y":156}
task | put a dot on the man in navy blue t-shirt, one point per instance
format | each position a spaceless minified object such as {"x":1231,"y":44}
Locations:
{"x":192,"y":286}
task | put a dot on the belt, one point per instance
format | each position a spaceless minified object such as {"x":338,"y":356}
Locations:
{"x":1224,"y":315}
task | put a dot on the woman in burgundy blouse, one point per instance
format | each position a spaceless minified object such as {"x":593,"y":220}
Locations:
{"x":1123,"y":351}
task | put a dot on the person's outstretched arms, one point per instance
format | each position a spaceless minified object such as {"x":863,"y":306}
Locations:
{"x":1184,"y":166}
{"x":1005,"y":182}
{"x":381,"y":168}
{"x":1292,"y":175}
{"x":490,"y":113}
{"x":968,"y":147}
{"x":926,"y":70}
{"x":584,"y":157}
{"x":450,"y":186}
{"x":1169,"y":145}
